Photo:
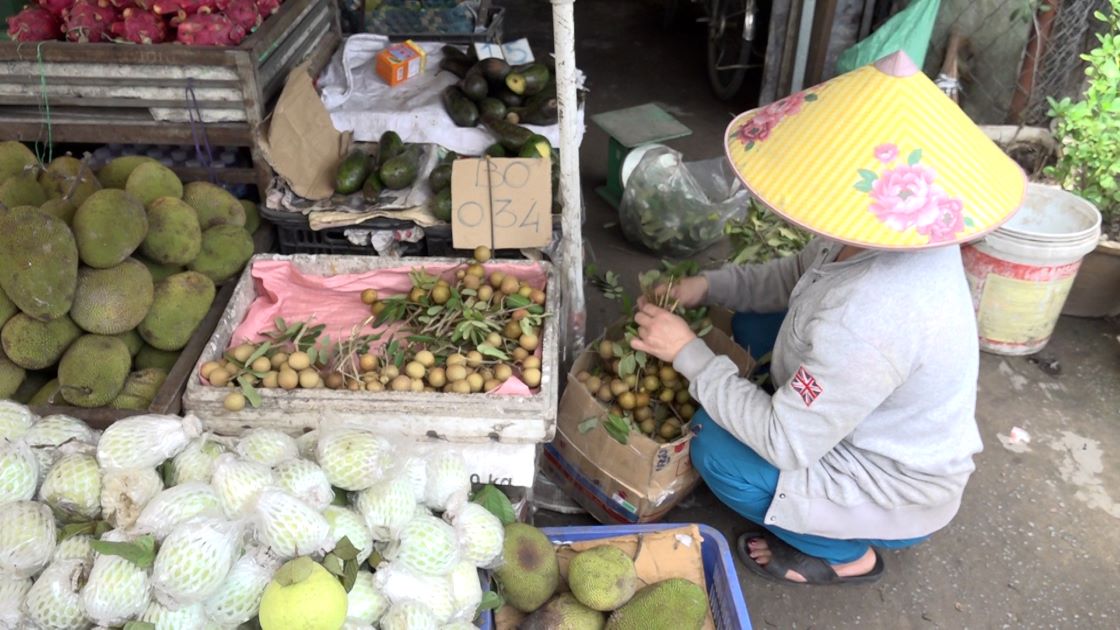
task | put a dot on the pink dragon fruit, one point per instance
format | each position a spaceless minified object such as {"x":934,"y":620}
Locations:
{"x":140,"y":27}
{"x":33,"y":24}
{"x":57,"y":7}
{"x":89,"y":21}
{"x":183,"y":8}
{"x":268,"y":7}
{"x":242,"y":12}
{"x":210,"y":29}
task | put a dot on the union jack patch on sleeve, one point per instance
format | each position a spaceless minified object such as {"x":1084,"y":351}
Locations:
{"x":806,"y":386}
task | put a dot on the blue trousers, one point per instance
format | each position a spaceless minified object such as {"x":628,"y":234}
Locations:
{"x":745,"y":482}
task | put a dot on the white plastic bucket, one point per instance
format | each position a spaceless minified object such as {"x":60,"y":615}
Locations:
{"x":1021,"y":273}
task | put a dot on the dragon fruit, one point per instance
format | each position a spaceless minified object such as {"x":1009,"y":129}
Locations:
{"x":182,"y":8}
{"x":89,"y":21}
{"x":57,"y":7}
{"x":243,"y":12}
{"x":209,"y":29}
{"x":140,"y":27}
{"x":33,"y":24}
{"x":268,"y":7}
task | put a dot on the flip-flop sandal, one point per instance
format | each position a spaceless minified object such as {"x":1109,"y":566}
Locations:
{"x":785,"y":558}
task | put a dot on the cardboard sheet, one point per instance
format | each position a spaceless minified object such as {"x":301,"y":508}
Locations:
{"x":672,"y":553}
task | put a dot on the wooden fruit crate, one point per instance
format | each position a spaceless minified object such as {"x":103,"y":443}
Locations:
{"x":460,"y":418}
{"x":111,"y":93}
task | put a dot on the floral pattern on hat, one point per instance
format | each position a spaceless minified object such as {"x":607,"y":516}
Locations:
{"x":906,"y":195}
{"x":757,"y":128}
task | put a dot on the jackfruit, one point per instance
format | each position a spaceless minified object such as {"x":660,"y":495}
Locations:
{"x":11,"y":376}
{"x":252,"y":216}
{"x":140,"y":389}
{"x":15,"y":157}
{"x":93,"y":370}
{"x":174,"y":237}
{"x":115,"y":173}
{"x":214,"y":205}
{"x":22,"y":190}
{"x":530,"y":572}
{"x":114,"y":300}
{"x":225,"y":250}
{"x":109,"y":226}
{"x":62,"y":208}
{"x":181,"y":302}
{"x":132,"y":339}
{"x":673,"y":604}
{"x":151,"y":180}
{"x":47,"y":394}
{"x":159,"y":271}
{"x":602,"y":578}
{"x":7,"y":308}
{"x":149,"y":357}
{"x":32,"y":383}
{"x":35,"y":345}
{"x":68,"y":178}
{"x":564,"y":612}
{"x":39,"y":268}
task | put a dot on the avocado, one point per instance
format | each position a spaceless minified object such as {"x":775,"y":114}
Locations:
{"x":371,"y":189}
{"x":440,"y":177}
{"x":474,"y":85}
{"x":541,"y":109}
{"x":457,"y":67}
{"x":512,"y":137}
{"x":441,"y":206}
{"x":453,"y":52}
{"x":388,"y":147}
{"x":463,"y":111}
{"x":352,"y":172}
{"x":537,"y":147}
{"x":494,"y":70}
{"x":492,"y":107}
{"x":495,"y":150}
{"x":509,"y":98}
{"x":401,"y":171}
{"x":528,"y":80}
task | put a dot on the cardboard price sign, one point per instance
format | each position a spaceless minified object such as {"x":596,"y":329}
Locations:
{"x":502,"y":203}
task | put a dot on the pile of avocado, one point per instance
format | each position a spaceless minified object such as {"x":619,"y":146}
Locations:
{"x":491,"y":89}
{"x":395,"y":166}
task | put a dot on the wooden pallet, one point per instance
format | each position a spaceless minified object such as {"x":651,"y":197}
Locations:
{"x":117,"y":93}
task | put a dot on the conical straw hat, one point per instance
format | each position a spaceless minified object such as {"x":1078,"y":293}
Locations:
{"x":879,"y":158}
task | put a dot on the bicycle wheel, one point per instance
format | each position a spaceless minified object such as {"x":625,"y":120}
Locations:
{"x":728,"y":51}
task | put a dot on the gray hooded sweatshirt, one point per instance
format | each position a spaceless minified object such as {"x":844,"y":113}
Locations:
{"x":872,"y":425}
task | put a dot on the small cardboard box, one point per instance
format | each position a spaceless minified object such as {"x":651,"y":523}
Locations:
{"x":637,"y":482}
{"x":398,"y":63}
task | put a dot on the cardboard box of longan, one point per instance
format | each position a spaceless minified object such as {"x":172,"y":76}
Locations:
{"x":636,"y":482}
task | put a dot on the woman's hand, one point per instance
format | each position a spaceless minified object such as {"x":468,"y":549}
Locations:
{"x":689,"y":292}
{"x":661,"y":333}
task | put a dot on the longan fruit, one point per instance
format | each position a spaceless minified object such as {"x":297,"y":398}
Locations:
{"x":509,"y":285}
{"x":208,"y":367}
{"x":461,"y":387}
{"x":271,"y":380}
{"x":520,"y":314}
{"x":537,"y":296}
{"x":485,"y":293}
{"x":416,"y":295}
{"x":219,"y":377}
{"x":618,"y":387}
{"x":476,"y":270}
{"x":235,"y":401}
{"x":669,"y":431}
{"x":648,"y":426}
{"x":440,"y":295}
{"x":335,"y":380}
{"x":462,"y":273}
{"x":474,"y":358}
{"x":415,"y":369}
{"x":641,"y":414}
{"x":532,"y":377}
{"x":437,"y":377}
{"x":604,"y":393}
{"x":456,"y":359}
{"x":262,"y":364}
{"x":491,"y":385}
{"x":531,"y":362}
{"x":456,"y":373}
{"x":243,"y":352}
{"x":476,"y":382}
{"x":369,"y":296}
{"x":651,"y":383}
{"x":529,"y":342}
{"x":512,"y":330}
{"x":631,"y":381}
{"x":494,"y":339}
{"x":299,"y":361}
{"x":416,"y":385}
{"x":687,"y":410}
{"x":683,"y":397}
{"x":482,"y":253}
{"x":391,"y":371}
{"x":525,"y":291}
{"x":375,"y":386}
{"x":376,"y":308}
{"x":668,"y":374}
{"x":278,"y":359}
{"x":667,"y":396}
{"x":472,"y":282}
{"x":627,"y":400}
{"x":520,"y":354}
{"x":367,"y":362}
{"x":502,"y":372}
{"x":288,"y":379}
{"x":593,"y":383}
{"x":642,"y":399}
{"x":401,"y":384}
{"x":425,"y":358}
{"x":496,"y":280}
{"x":486,"y":373}
{"x":308,"y":378}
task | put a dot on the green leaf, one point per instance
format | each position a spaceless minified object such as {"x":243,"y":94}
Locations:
{"x":627,"y":366}
{"x":77,"y":529}
{"x":915,"y":157}
{"x":280,"y":324}
{"x":488,"y":350}
{"x":867,"y":176}
{"x":312,"y":355}
{"x":490,"y":601}
{"x":141,"y":552}
{"x":258,"y":353}
{"x":517,"y":301}
{"x":349,"y":574}
{"x":435,"y":310}
{"x":864,"y":186}
{"x":642,"y":359}
{"x":497,"y":503}
{"x":345,"y":550}
{"x":588,"y":425}
{"x":333,"y":564}
{"x":339,"y":497}
{"x":250,"y":392}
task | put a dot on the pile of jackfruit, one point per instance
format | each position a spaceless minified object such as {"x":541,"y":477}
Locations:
{"x":105,"y":277}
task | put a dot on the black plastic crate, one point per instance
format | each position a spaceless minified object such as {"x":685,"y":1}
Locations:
{"x":492,"y":35}
{"x":439,"y":242}
{"x":295,"y":236}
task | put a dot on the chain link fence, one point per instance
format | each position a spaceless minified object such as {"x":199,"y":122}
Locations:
{"x":995,"y":35}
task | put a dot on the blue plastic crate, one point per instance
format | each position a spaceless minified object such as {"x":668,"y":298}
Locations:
{"x":729,"y":609}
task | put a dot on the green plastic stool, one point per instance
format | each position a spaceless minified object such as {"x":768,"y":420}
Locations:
{"x":629,"y":129}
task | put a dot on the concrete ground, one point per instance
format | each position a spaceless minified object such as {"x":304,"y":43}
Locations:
{"x":1036,"y":542}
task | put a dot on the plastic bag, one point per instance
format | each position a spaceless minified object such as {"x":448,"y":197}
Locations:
{"x":676,"y":208}
{"x":909,"y":30}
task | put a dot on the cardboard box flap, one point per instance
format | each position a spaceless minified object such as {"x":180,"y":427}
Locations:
{"x":660,"y":555}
